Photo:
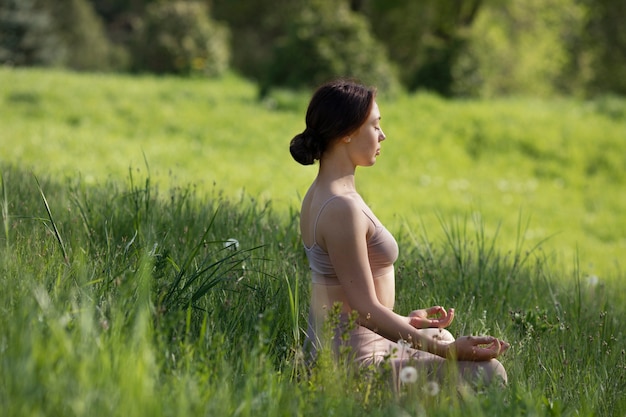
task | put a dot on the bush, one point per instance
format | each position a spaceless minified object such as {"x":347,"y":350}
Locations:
{"x":522,"y":47}
{"x":27,"y":35}
{"x":179,"y":37}
{"x":259,"y":24}
{"x":84,"y":36}
{"x":65,"y":33}
{"x":325,"y":41}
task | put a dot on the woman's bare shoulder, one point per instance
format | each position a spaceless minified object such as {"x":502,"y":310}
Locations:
{"x":341,"y":212}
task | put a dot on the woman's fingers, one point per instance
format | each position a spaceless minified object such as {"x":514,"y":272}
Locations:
{"x":480,"y":348}
{"x":436,"y":316}
{"x":445,"y":319}
{"x":504,"y":346}
{"x":436,"y":311}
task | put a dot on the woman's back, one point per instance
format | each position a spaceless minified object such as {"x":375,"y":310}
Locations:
{"x":320,"y":212}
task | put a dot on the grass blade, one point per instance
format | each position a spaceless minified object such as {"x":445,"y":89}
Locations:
{"x":54,"y":226}
{"x":5,"y":210}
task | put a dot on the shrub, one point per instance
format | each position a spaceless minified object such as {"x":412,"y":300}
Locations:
{"x":259,"y":24}
{"x":325,"y":41}
{"x":522,"y":47}
{"x":180,"y":37}
{"x":65,"y":33}
{"x":27,"y":36}
{"x":84,"y":36}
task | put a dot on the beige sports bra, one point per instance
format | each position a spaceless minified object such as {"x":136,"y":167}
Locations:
{"x":382,"y":251}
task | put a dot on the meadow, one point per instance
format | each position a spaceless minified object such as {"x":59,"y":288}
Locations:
{"x":554,"y":167}
{"x":120,"y":294}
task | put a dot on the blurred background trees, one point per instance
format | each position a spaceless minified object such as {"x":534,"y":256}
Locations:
{"x":452,"y":47}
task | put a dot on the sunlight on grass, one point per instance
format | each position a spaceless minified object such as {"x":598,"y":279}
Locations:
{"x":560,"y":162}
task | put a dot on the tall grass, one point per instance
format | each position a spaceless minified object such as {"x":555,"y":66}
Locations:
{"x":149,"y":313}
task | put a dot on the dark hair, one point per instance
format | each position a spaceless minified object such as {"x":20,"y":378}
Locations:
{"x":336,"y":109}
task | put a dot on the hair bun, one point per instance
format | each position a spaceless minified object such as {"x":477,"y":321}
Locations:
{"x":304,"y":147}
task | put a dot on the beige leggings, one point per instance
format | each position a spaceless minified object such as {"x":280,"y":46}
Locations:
{"x":369,"y":348}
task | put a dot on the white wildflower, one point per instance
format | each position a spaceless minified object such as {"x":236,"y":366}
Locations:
{"x":593,"y":280}
{"x":408,"y":375}
{"x":431,"y":388}
{"x":231,"y":244}
{"x":404,"y":344}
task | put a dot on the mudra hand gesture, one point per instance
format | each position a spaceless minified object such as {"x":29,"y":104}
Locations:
{"x":436,"y":316}
{"x":476,"y":348}
{"x":467,"y":348}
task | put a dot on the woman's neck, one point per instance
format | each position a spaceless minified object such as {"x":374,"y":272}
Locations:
{"x":337,"y":178}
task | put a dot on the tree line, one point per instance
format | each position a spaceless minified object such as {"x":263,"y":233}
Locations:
{"x":452,"y":47}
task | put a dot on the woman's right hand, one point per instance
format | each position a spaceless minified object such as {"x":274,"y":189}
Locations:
{"x":436,"y":316}
{"x":476,"y":348}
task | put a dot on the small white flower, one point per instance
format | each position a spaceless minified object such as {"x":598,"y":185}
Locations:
{"x":592,"y":281}
{"x":231,"y":244}
{"x":408,"y":375}
{"x":431,"y":388}
{"x":404,"y":344}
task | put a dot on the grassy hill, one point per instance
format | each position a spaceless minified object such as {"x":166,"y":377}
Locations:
{"x":554,"y":169}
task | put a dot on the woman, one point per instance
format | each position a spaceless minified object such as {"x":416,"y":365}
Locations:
{"x":351,"y":254}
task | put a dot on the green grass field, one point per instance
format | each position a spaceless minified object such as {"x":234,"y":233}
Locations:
{"x":559,"y":163}
{"x":120,"y":298}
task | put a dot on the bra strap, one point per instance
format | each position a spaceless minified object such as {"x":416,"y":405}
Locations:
{"x":318,"y":217}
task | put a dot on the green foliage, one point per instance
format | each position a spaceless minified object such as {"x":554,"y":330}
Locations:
{"x":84,"y":38}
{"x":255,"y":27}
{"x":524,"y":47}
{"x":27,"y":35}
{"x":66,"y":33}
{"x":424,"y":38}
{"x":180,"y":37}
{"x":454,"y":48}
{"x":326,"y":41}
{"x":605,"y":43}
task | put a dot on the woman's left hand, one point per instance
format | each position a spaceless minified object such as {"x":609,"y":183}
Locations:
{"x":436,"y":316}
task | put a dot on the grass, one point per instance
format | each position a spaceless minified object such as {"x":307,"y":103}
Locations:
{"x":104,"y":337}
{"x":133,"y":305}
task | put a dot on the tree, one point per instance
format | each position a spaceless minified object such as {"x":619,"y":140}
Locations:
{"x":27,"y":35}
{"x":84,"y":35}
{"x":256,"y":26}
{"x":424,"y":38}
{"x":64,"y":32}
{"x":606,"y":39}
{"x":327,"y":40}
{"x":523,"y":47}
{"x":180,"y":37}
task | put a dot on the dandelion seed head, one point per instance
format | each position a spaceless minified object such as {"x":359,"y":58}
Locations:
{"x":408,"y":375}
{"x":431,"y":388}
{"x":404,"y":344}
{"x":232,"y":244}
{"x":593,"y":280}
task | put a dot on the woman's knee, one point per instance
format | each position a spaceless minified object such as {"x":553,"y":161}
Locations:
{"x":495,"y":372}
{"x":438,"y":334}
{"x":483,"y":373}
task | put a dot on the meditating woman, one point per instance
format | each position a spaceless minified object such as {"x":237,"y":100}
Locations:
{"x":352,"y":255}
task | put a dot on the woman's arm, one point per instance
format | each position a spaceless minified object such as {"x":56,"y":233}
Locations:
{"x":343,"y":233}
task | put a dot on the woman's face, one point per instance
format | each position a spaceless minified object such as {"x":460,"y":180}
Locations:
{"x":365,"y":142}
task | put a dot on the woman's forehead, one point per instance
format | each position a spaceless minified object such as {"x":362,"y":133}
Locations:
{"x":375,"y":112}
